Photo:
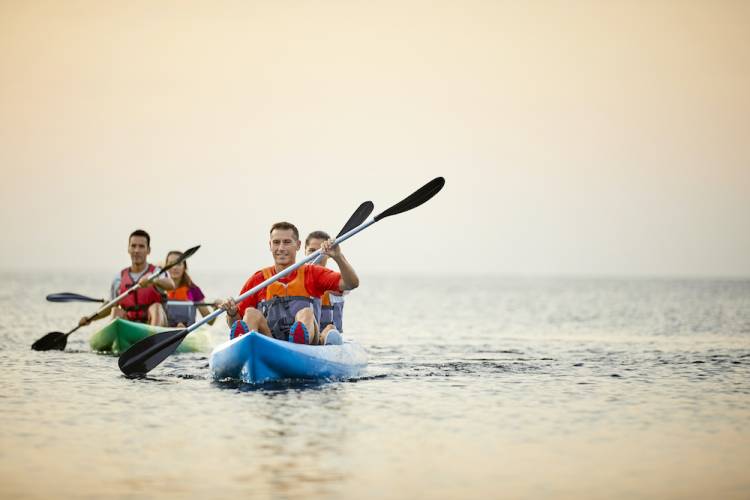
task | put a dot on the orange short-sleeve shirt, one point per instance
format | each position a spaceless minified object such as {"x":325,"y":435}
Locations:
{"x":318,"y":280}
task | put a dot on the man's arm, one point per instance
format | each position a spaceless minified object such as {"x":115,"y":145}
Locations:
{"x":86,"y":321}
{"x":164,"y":282}
{"x":232,"y":308}
{"x":349,"y":278}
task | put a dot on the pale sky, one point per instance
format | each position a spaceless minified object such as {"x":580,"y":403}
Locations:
{"x":576,"y":137}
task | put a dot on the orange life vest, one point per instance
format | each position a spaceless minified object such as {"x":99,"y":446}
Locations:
{"x":179,"y":293}
{"x":283,"y":301}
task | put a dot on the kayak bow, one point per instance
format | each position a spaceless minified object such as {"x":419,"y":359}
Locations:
{"x":255,"y":358}
{"x":120,"y":334}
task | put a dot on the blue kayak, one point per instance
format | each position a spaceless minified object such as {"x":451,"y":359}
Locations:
{"x":255,"y":358}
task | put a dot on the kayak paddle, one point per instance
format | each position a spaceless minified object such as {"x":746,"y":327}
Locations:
{"x":58,"y":340}
{"x":77,"y":297}
{"x":145,"y":355}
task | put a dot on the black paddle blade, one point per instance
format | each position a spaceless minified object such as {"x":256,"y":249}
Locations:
{"x":189,"y":253}
{"x":182,"y":258}
{"x":358,"y":217}
{"x":53,"y":340}
{"x":415,"y":199}
{"x":71,"y":297}
{"x":146,"y":355}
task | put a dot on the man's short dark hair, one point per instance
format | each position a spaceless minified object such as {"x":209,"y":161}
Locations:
{"x":284,"y":226}
{"x":142,"y":233}
{"x":317,"y":235}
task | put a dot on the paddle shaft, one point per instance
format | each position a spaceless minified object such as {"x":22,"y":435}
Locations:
{"x":188,"y":302}
{"x":117,"y":299}
{"x":88,"y":318}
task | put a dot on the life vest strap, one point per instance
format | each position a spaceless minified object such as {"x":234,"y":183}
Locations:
{"x":139,"y":307}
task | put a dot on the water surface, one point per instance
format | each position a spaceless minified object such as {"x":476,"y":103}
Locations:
{"x":480,"y":387}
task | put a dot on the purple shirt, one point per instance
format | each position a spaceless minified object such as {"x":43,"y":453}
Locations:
{"x":195,"y":294}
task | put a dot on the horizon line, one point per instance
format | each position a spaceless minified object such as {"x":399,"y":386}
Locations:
{"x":449,"y":274}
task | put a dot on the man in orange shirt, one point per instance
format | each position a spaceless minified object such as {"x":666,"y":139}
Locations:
{"x":284,"y":309}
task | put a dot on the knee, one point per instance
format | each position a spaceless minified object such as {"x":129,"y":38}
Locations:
{"x":305,"y":315}
{"x":251,"y":314}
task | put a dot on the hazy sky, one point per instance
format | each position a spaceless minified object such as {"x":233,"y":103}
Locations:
{"x":589,"y":137}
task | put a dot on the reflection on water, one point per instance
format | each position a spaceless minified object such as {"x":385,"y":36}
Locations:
{"x":484,"y":388}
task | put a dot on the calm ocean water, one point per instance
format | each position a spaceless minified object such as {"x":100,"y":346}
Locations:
{"x":477,"y":388}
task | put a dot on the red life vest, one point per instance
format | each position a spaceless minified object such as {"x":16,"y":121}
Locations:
{"x":136,"y":304}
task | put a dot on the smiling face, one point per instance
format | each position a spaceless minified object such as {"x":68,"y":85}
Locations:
{"x":138,"y":249}
{"x":284,"y":247}
{"x":313,"y":245}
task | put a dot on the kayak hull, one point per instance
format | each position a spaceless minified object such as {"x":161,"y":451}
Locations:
{"x":120,"y":334}
{"x":254,"y":358}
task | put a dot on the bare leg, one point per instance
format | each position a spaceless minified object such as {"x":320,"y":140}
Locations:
{"x":156,"y":315}
{"x":307,"y":317}
{"x":118,"y":312}
{"x":256,"y":321}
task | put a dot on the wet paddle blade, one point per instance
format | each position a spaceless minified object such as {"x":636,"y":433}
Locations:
{"x":51,"y":341}
{"x":358,"y":217}
{"x":415,"y":199}
{"x":146,"y":355}
{"x":71,"y":297}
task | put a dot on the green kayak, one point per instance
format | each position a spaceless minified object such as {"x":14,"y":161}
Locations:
{"x":119,"y":335}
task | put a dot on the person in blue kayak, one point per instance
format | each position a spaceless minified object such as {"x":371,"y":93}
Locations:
{"x":145,"y":305}
{"x":284,"y":310}
{"x":330,"y":307}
